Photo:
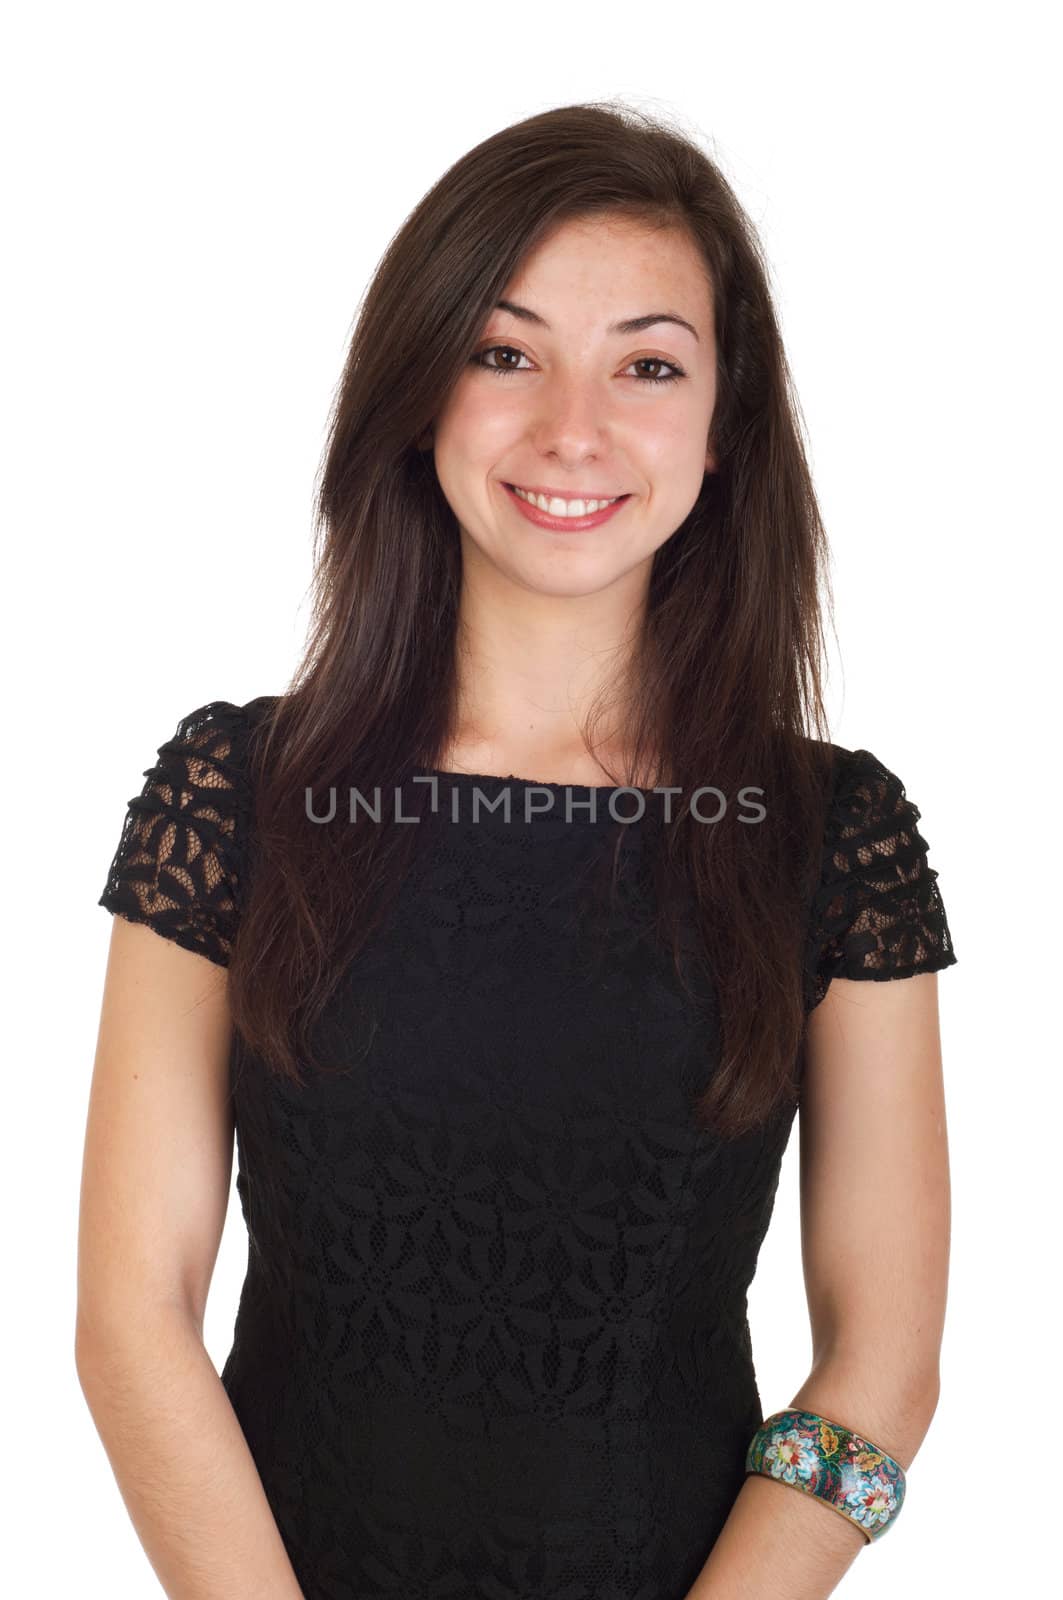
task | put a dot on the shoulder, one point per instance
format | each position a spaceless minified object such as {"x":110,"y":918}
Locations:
{"x":181,"y":857}
{"x":203,"y":771}
{"x":866,"y":793}
{"x":211,"y":745}
{"x":221,"y":725}
{"x":878,"y":912}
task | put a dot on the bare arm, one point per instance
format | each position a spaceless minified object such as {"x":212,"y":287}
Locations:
{"x":154,"y":1193}
{"x":875,"y":1222}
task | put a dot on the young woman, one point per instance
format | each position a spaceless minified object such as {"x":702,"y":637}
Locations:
{"x":508,"y":940}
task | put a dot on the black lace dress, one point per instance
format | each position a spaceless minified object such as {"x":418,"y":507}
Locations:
{"x":492,"y":1339}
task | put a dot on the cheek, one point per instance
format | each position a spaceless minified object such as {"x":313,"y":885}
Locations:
{"x":676,"y":436}
{"x":477,"y":422}
{"x":469,"y":444}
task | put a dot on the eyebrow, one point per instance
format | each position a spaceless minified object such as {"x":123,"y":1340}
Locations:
{"x":628,"y":325}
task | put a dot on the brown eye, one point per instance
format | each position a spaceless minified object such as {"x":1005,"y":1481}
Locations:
{"x":490,"y":366}
{"x":658,"y":361}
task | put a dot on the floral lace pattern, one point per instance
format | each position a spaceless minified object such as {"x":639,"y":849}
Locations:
{"x":492,"y":1340}
{"x":180,"y":857}
{"x":878,"y":912}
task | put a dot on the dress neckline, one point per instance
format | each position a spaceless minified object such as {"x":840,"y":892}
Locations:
{"x":497,"y":800}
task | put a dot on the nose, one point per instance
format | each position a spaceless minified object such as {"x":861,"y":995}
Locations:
{"x":572,"y":423}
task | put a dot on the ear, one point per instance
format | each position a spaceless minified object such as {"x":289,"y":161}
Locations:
{"x":710,"y":460}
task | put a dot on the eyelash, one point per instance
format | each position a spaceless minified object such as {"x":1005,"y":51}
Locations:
{"x":478,"y":361}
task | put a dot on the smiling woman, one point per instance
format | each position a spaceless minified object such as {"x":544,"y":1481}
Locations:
{"x":511,"y":1088}
{"x":616,"y":431}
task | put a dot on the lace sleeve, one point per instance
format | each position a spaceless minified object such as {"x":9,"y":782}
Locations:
{"x":179,"y":861}
{"x":878,"y":912}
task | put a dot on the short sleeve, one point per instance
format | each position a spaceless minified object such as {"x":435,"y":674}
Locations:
{"x":878,"y":913}
{"x":179,"y":862}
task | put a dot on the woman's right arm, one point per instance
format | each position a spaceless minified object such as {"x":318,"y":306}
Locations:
{"x":154,"y":1194}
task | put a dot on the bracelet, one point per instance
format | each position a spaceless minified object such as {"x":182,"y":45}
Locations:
{"x":839,"y":1467}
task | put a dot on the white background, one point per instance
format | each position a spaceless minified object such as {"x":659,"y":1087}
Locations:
{"x":195,"y":200}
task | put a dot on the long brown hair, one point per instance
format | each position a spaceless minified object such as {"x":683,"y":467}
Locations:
{"x":726,"y":678}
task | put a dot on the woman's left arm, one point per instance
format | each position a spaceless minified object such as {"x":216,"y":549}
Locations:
{"x":875,"y":1227}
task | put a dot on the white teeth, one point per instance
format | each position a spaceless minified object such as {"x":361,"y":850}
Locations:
{"x":564,"y":508}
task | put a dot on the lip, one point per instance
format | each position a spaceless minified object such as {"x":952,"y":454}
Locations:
{"x":543,"y":519}
{"x":562,"y":494}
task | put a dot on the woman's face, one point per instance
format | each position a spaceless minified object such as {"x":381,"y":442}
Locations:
{"x":568,"y":404}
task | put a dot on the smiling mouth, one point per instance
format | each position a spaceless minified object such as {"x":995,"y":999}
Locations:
{"x":566,"y":505}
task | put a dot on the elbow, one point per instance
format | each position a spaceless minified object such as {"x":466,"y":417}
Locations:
{"x":931,"y":1396}
{"x":112,"y":1339}
{"x":891,"y":1410}
{"x":915,"y":1417}
{"x":88,"y":1354}
{"x":80,"y":1348}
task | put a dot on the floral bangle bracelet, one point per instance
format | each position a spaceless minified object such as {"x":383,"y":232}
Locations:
{"x":845,"y":1471}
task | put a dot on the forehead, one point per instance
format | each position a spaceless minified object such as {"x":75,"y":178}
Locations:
{"x":603,"y":264}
